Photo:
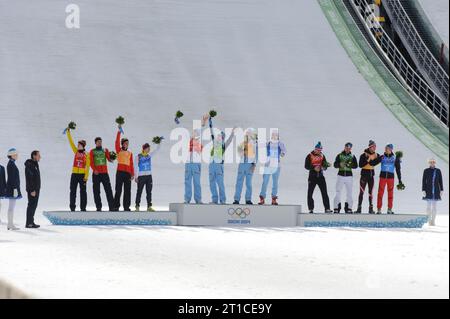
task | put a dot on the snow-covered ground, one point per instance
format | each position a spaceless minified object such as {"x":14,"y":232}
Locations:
{"x":437,"y":11}
{"x":171,"y":262}
{"x":261,"y":63}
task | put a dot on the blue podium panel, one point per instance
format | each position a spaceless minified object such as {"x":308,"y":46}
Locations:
{"x":362,"y":220}
{"x":236,"y":215}
{"x":112,"y":218}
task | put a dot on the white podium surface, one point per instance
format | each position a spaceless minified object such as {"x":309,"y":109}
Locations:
{"x":236,"y":215}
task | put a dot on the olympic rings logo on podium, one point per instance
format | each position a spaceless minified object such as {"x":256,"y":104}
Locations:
{"x":239,"y":212}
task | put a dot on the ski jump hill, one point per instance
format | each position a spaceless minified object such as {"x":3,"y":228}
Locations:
{"x":273,"y":64}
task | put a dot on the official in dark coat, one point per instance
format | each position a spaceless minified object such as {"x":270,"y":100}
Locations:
{"x":432,"y":188}
{"x":2,"y":185}
{"x":2,"y":182}
{"x":33,"y":181}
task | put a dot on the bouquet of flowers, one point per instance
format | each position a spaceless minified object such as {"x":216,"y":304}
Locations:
{"x":212,"y":113}
{"x":158,"y":139}
{"x":120,"y":121}
{"x":401,"y":186}
{"x":178,"y":116}
{"x":112,"y":156}
{"x":72,"y":125}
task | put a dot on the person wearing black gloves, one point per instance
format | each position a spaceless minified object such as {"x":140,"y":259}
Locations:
{"x":390,"y":165}
{"x":367,"y":162}
{"x":316,"y":164}
{"x":345,"y":162}
{"x":33,"y":187}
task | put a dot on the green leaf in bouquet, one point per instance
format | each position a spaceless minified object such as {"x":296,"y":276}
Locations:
{"x":72,"y":125}
{"x":113,"y":156}
{"x":120,"y":120}
{"x":212,"y":113}
{"x":179,"y":114}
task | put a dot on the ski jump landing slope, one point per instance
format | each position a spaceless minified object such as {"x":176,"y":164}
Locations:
{"x":438,"y":13}
{"x":262,"y":63}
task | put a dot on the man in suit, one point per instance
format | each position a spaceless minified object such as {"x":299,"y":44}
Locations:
{"x":33,"y":187}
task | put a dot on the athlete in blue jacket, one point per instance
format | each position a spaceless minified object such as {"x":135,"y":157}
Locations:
{"x":144,"y":176}
{"x":275,"y":150}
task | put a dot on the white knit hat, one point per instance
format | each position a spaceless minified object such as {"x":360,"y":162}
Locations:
{"x":12,"y":152}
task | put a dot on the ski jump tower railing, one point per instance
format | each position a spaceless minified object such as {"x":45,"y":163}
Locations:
{"x":407,"y":75}
{"x":419,"y":51}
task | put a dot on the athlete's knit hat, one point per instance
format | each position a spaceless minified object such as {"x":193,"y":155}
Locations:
{"x":145,"y":146}
{"x":372,"y":143}
{"x":319,"y":146}
{"x":349,"y":145}
{"x":12,"y":152}
{"x":391,"y":146}
{"x":82,"y":142}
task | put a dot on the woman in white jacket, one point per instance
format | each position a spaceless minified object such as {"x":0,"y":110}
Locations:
{"x":12,"y":186}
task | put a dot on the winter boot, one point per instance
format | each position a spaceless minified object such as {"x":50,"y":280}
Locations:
{"x":349,"y":211}
{"x":359,"y":210}
{"x":261,"y":200}
{"x":249,"y":202}
{"x":150,"y":209}
{"x":137,"y":208}
{"x":390,"y":212}
{"x":379,"y":212}
{"x":236,"y":202}
{"x":346,"y":208}
{"x":274,"y":201}
{"x":328,"y":211}
{"x":371,"y":211}
{"x":336,"y":211}
{"x":32,"y":226}
{"x":311,"y":211}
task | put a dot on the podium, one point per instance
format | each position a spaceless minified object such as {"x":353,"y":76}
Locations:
{"x":236,"y":215}
{"x":112,"y":218}
{"x":362,"y":220}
